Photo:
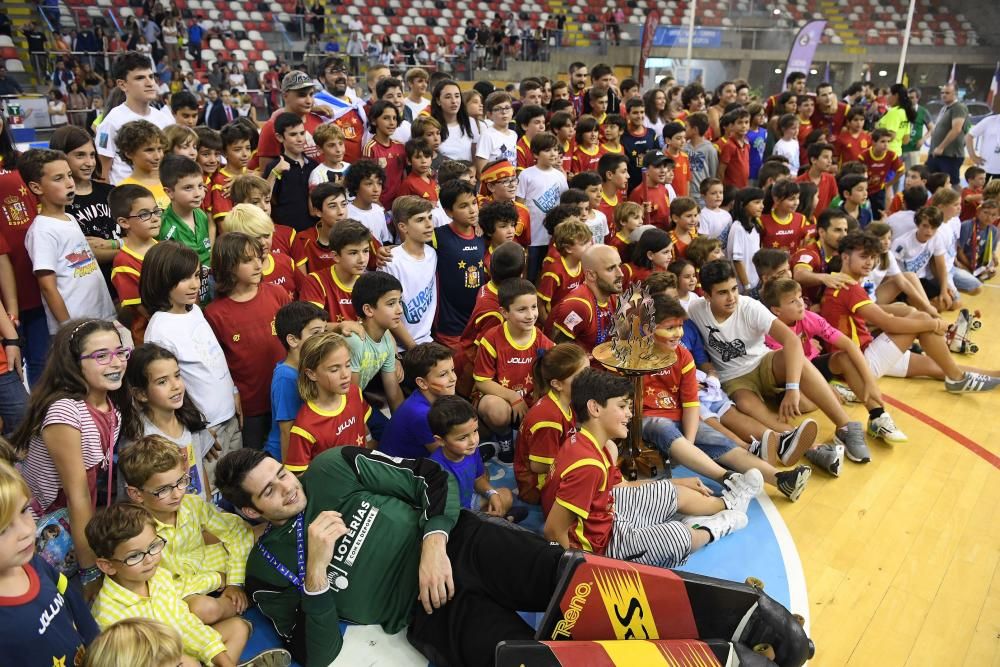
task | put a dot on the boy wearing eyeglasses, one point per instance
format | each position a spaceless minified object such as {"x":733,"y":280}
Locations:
{"x":129,"y":553}
{"x":157,"y":476}
{"x":134,"y":209}
{"x":69,"y":278}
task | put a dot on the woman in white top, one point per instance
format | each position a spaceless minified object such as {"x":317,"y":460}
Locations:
{"x":655,"y":103}
{"x":169,"y":33}
{"x":459,"y":134}
{"x":236,"y":78}
{"x":57,"y":109}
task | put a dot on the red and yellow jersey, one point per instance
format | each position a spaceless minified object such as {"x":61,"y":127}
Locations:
{"x":419,"y":186}
{"x":543,"y":430}
{"x":125,"y":271}
{"x":326,"y":290}
{"x":484,"y":317}
{"x":558,"y":280}
{"x":505,"y":362}
{"x":850,"y":148}
{"x":316,"y":430}
{"x":668,"y":392}
{"x":882,"y":170}
{"x":840,"y":308}
{"x":280,"y":270}
{"x":310,"y":252}
{"x":785,"y":233}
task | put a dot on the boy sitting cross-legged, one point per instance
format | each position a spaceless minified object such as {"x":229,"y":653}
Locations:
{"x":588,"y":506}
{"x":851,"y":310}
{"x":672,"y":419}
{"x":156,"y":477}
{"x":128,"y":551}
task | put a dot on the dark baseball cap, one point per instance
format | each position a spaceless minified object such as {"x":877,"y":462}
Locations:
{"x":657,"y":158}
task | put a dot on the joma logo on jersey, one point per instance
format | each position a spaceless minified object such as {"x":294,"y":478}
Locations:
{"x":520,"y":360}
{"x":346,"y":425}
{"x":564,"y":627}
{"x":345,"y":302}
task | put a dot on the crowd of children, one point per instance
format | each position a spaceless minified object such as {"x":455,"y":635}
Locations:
{"x":435,"y":287}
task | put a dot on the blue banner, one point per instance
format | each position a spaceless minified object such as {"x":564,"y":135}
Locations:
{"x":704,"y":38}
{"x":800,"y":56}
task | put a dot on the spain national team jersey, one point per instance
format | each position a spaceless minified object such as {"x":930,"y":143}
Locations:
{"x":525,"y":158}
{"x":840,"y":308}
{"x":805,"y":129}
{"x":633,"y":273}
{"x":485,"y":316}
{"x":681,"y":246}
{"x":831,"y":123}
{"x":656,"y":196}
{"x":581,"y":318}
{"x":736,"y":156}
{"x":460,"y":275}
{"x":221,"y":203}
{"x":850,"y":148}
{"x":607,"y":207}
{"x":621,"y":243}
{"x":882,"y":170}
{"x":316,"y":430}
{"x":544,"y":428}
{"x":280,"y":270}
{"x":283,"y":240}
{"x":668,"y":392}
{"x":125,"y":271}
{"x":326,"y":290}
{"x":827,"y":189}
{"x":308,"y":251}
{"x":558,"y":280}
{"x":582,"y":482}
{"x":585,"y":159}
{"x":811,"y":257}
{"x":567,"y":156}
{"x":505,"y":362}
{"x":682,"y":173}
{"x":392,"y":159}
{"x":353,"y":128}
{"x":419,"y":186}
{"x":787,"y":234}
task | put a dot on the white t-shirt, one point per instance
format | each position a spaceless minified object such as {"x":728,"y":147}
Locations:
{"x":901,"y":223}
{"x":420,"y":292}
{"x":107,"y":131}
{"x":914,"y":256}
{"x":59,"y":246}
{"x":687,"y":300}
{"x":947,"y":238}
{"x":540,"y":191}
{"x":741,"y":246}
{"x":714,"y":223}
{"x":986,"y":134}
{"x":736,"y":345}
{"x":458,"y":145}
{"x":323,"y":174}
{"x":598,"y":224}
{"x":439,"y":217}
{"x":203,"y":364}
{"x":495,"y":144}
{"x":373,"y":219}
{"x":790,"y":150}
{"x":416,"y":107}
{"x":656,"y":127}
{"x":195,"y":446}
{"x":872,"y":281}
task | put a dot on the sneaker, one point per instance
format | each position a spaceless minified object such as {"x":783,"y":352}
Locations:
{"x":883,"y":427}
{"x":766,"y":448}
{"x":971,"y":382}
{"x":845,"y":392}
{"x":740,"y":488}
{"x":505,"y":450}
{"x":827,"y":457}
{"x":488,"y":450}
{"x":793,"y":482}
{"x":852,"y":437}
{"x":272,"y":657}
{"x":720,"y":524}
{"x":791,"y":444}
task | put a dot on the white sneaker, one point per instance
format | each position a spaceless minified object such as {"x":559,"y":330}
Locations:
{"x":883,"y":427}
{"x":843,"y":391}
{"x":719,"y":525}
{"x":740,"y":488}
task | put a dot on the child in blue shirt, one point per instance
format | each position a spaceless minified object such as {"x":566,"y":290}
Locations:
{"x":294,"y":324}
{"x":455,"y":427}
{"x":45,"y":622}
{"x":431,"y":368}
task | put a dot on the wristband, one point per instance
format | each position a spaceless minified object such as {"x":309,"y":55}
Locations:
{"x":791,"y":385}
{"x":11,"y":342}
{"x":491,"y":492}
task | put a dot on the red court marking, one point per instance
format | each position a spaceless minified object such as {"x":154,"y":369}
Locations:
{"x":972,"y":446}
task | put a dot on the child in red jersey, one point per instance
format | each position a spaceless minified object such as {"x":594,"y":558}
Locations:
{"x":499,"y":183}
{"x":134,"y":208}
{"x":242,"y":318}
{"x":916,"y":175}
{"x":674,"y":138}
{"x":276,"y":269}
{"x":420,"y":181}
{"x":507,"y":262}
{"x":498,"y":220}
{"x":588,"y":506}
{"x":560,"y":277}
{"x":587,"y":151}
{"x":784,"y":227}
{"x":853,"y":141}
{"x":549,"y":421}
{"x":330,"y":288}
{"x":564,"y":128}
{"x":684,"y":215}
{"x":236,"y":150}
{"x":209,"y":159}
{"x":652,"y":253}
{"x":613,"y":170}
{"x":503,"y":363}
{"x":972,"y":196}
{"x":884,"y":170}
{"x":734,"y":154}
{"x":312,"y":252}
{"x":252,"y":189}
{"x":628,"y":218}
{"x":386,"y":151}
{"x":531,"y":119}
{"x":820,"y":158}
{"x":334,"y":412}
{"x":653,"y":193}
{"x":612,"y":130}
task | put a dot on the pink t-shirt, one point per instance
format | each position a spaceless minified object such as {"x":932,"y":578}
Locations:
{"x":810,"y":327}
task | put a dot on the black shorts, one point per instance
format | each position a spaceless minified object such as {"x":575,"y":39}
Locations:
{"x":822,"y":364}
{"x":931,"y":287}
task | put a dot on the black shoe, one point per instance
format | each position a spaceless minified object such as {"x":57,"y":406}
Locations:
{"x":773,"y":625}
{"x":505,"y":450}
{"x":488,"y":450}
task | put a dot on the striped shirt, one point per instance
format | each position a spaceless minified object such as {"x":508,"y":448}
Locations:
{"x":164,"y":603}
{"x":198,"y":567}
{"x":38,"y":468}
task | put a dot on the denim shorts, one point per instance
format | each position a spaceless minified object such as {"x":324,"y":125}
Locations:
{"x":662,"y":432}
{"x":965,"y":281}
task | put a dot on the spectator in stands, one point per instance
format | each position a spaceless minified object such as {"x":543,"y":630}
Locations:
{"x":8,"y":86}
{"x":195,"y":35}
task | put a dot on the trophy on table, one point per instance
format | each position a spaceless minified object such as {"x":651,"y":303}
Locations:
{"x":633,"y":352}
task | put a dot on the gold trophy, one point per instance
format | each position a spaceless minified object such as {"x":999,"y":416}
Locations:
{"x":632,"y":351}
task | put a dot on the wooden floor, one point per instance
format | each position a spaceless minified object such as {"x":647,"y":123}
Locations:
{"x":901,"y":555}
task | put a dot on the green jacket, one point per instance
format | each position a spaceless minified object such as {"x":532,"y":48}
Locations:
{"x":388,"y":504}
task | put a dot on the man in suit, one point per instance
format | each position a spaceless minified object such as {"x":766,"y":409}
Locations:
{"x":219,"y":110}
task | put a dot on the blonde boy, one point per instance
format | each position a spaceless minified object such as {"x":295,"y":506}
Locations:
{"x":330,"y":139}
